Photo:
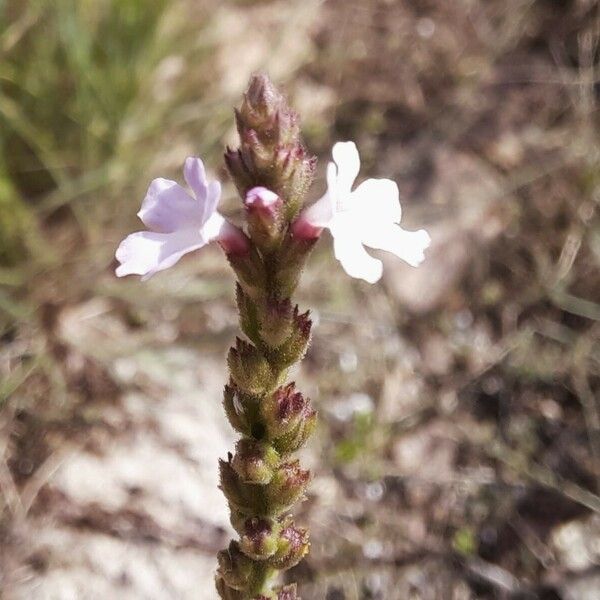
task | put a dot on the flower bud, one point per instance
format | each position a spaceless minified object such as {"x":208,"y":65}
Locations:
{"x":292,"y":547}
{"x":260,"y":538}
{"x":233,"y":240}
{"x":276,"y":322}
{"x":248,"y":314}
{"x":245,"y":498}
{"x":303,"y":229}
{"x":294,"y":348}
{"x":294,"y":174}
{"x":249,"y":368}
{"x":227,"y":593}
{"x":296,"y":438}
{"x":265,"y":110}
{"x":286,"y":487}
{"x":271,"y":152}
{"x":237,"y":570}
{"x":238,"y":169}
{"x":284,"y":410}
{"x":264,"y":216}
{"x":292,"y":257}
{"x":235,"y":410}
{"x":237,"y":520}
{"x":261,"y":101}
{"x":250,"y":271}
{"x":254,"y":461}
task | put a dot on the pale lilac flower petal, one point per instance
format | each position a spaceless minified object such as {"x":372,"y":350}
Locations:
{"x":207,"y":193}
{"x":147,"y":252}
{"x":195,"y":177}
{"x":354,"y":258}
{"x":213,"y":195}
{"x":410,"y":246}
{"x":167,"y":207}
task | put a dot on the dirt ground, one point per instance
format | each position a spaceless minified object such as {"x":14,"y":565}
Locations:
{"x":458,"y":452}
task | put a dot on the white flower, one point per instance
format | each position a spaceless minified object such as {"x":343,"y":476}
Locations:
{"x":368,"y":216}
{"x":178,"y":224}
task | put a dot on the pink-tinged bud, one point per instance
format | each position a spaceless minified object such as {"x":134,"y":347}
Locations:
{"x":303,"y":322}
{"x":290,"y":404}
{"x":254,"y":152}
{"x":287,"y":159}
{"x":233,"y":240}
{"x":303,"y":229}
{"x":264,"y":216}
{"x":263,"y":201}
{"x":287,"y":126}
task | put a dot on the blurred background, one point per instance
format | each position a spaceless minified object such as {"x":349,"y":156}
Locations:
{"x":458,"y":454}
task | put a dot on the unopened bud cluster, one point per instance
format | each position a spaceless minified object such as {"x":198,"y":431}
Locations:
{"x":261,"y":479}
{"x":271,"y":154}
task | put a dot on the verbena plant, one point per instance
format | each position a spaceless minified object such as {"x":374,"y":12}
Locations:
{"x":272,"y":171}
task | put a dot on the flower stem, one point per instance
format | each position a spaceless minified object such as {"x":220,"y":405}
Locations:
{"x":261,"y":480}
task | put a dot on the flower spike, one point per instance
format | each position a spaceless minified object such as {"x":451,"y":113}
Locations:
{"x":262,"y":480}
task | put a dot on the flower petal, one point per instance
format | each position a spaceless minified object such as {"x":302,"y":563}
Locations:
{"x":195,"y":176}
{"x":213,"y":196}
{"x":347,"y":160}
{"x":321,"y":213}
{"x":376,"y":201}
{"x":207,"y":193}
{"x":214,"y":227}
{"x":167,"y":207}
{"x":354,"y":258}
{"x":408,"y":245}
{"x":147,"y":252}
